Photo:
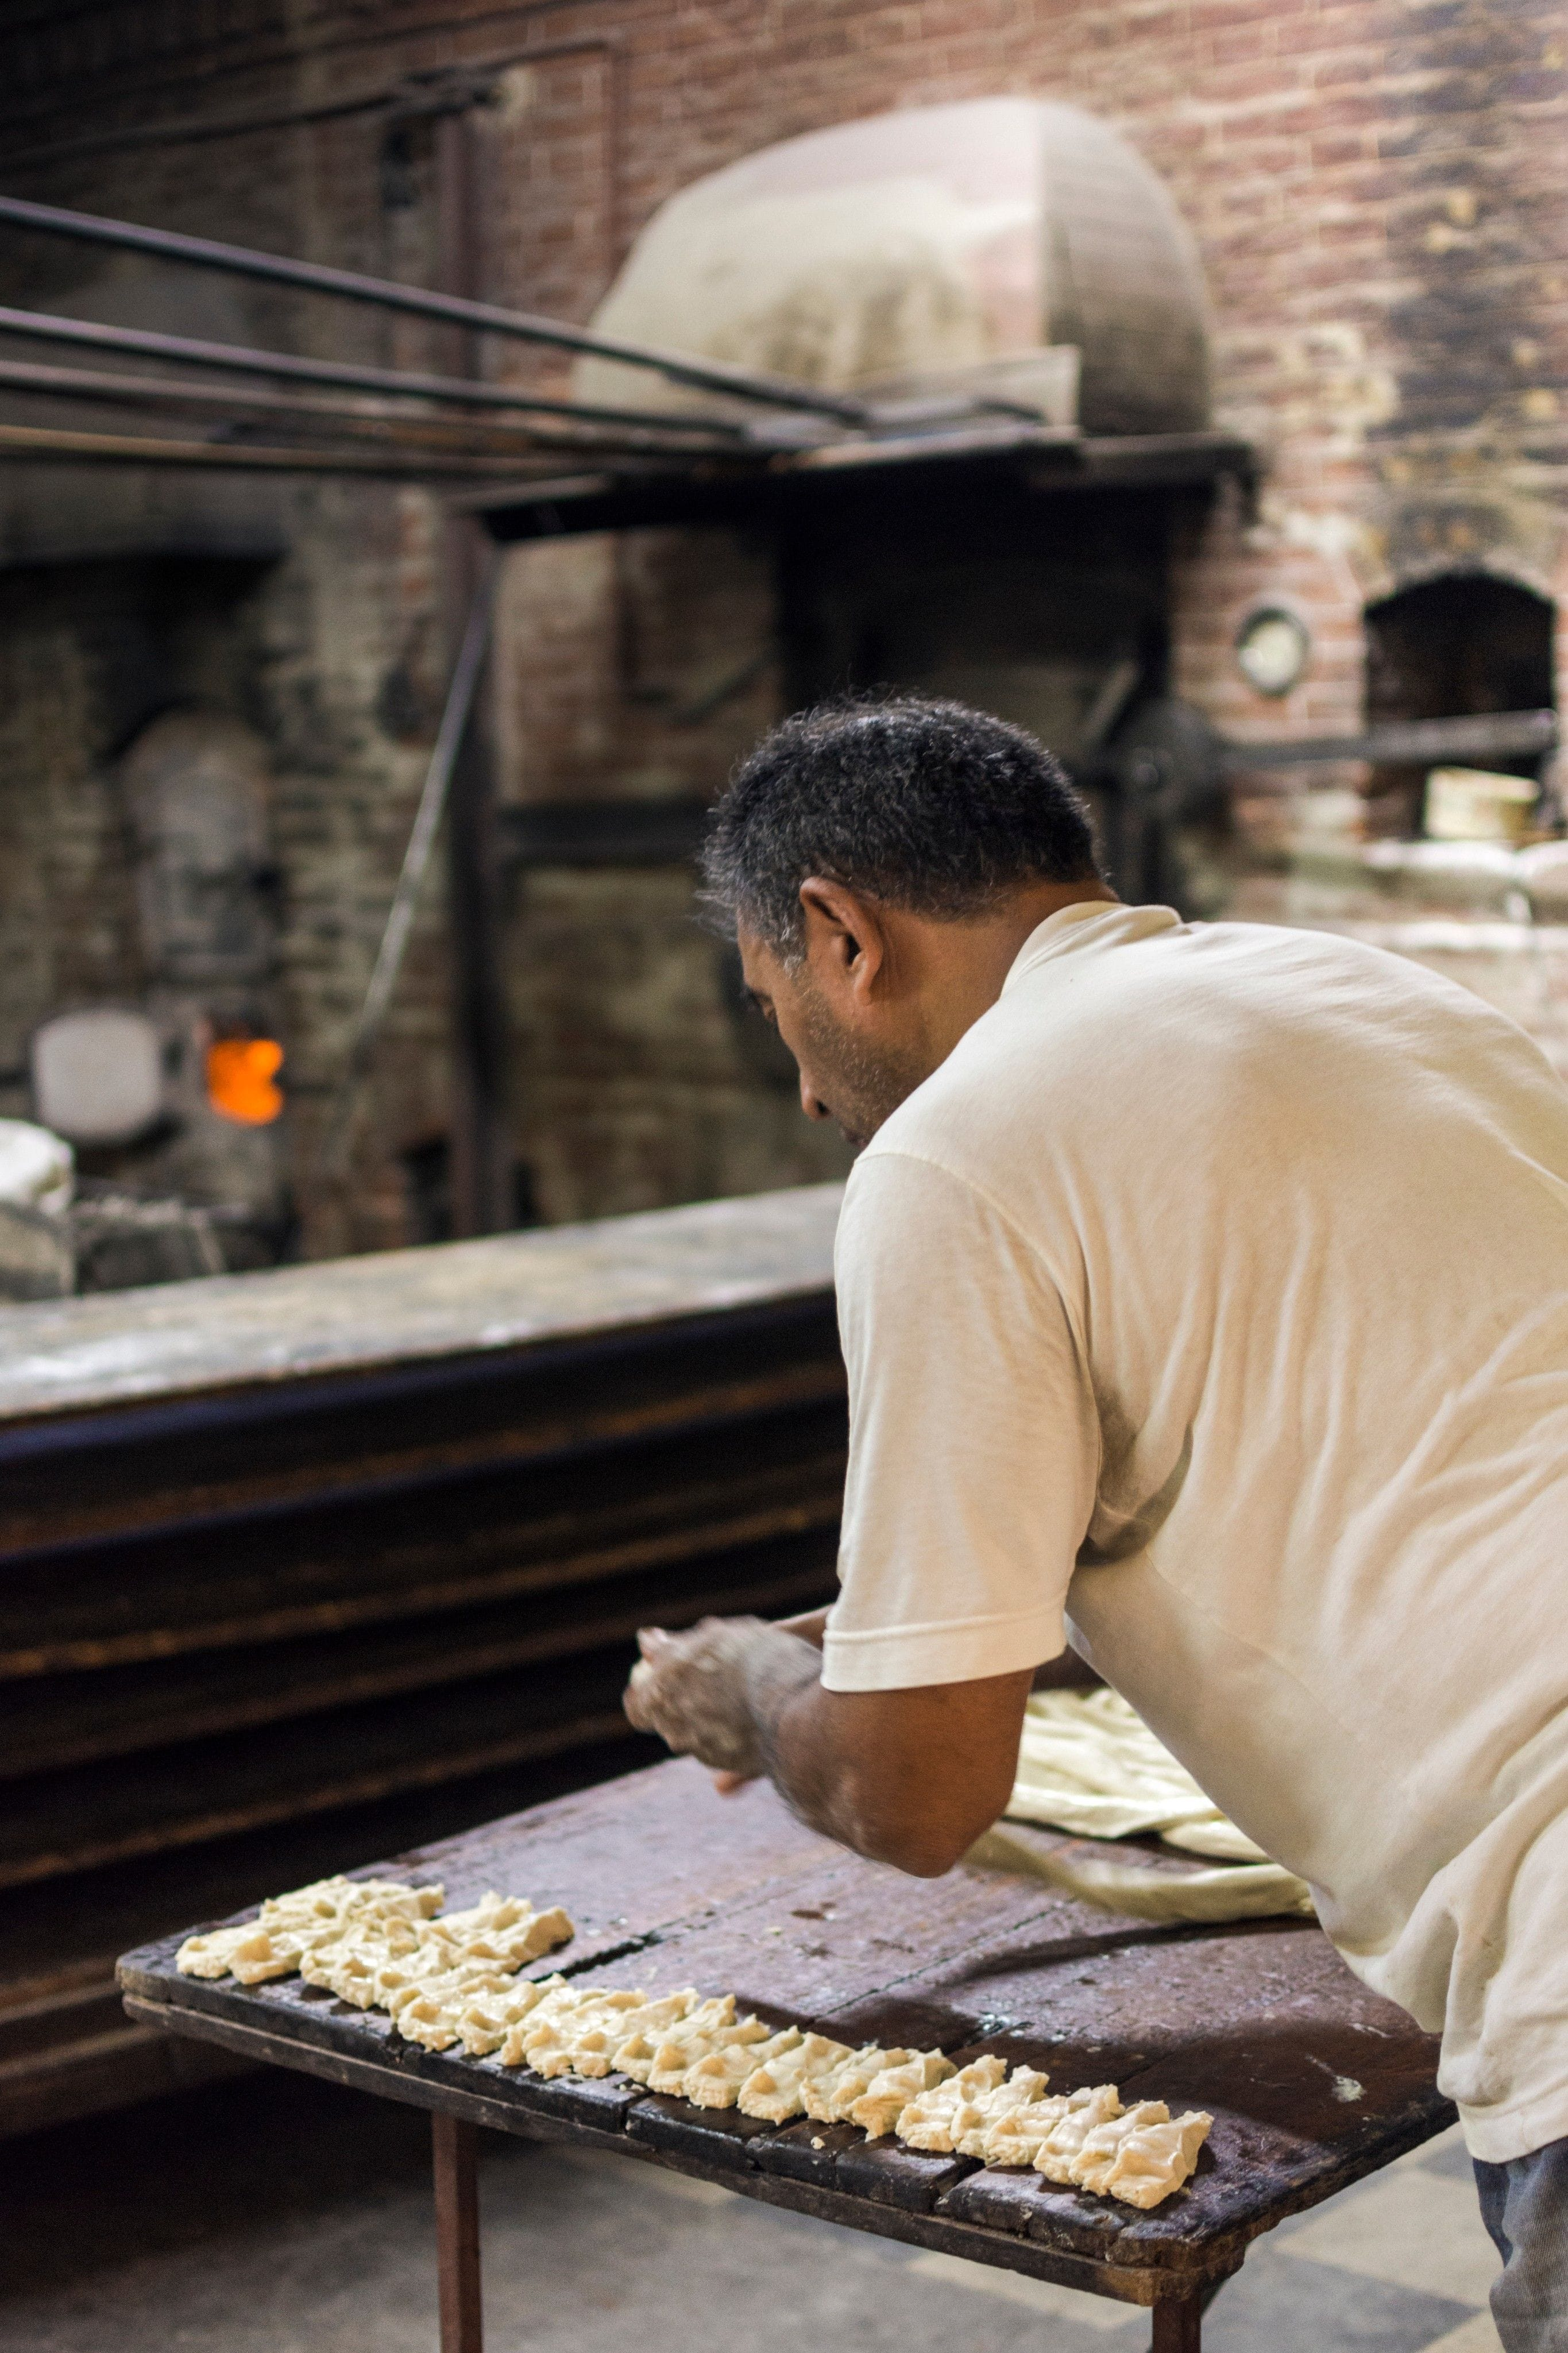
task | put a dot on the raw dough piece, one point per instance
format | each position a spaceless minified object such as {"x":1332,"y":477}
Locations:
{"x":270,"y":1953}
{"x":594,"y":2048}
{"x":675,"y":2057}
{"x":504,"y":1929}
{"x":715,"y":2081}
{"x":1088,"y":1762}
{"x":778,"y":2090}
{"x":639,"y":2053}
{"x":1153,"y":2161}
{"x":1058,"y":2153}
{"x":208,"y":1956}
{"x":888,"y":2094}
{"x":339,"y":1932}
{"x":929,"y":2122}
{"x":1100,"y":2150}
{"x":830,"y":2097}
{"x":484,"y":2024}
{"x":1014,"y":2138}
{"x":288,"y":1926}
{"x":973,"y":2122}
{"x":451,"y":1991}
{"x":333,"y":1902}
{"x":548,"y":2040}
{"x":349,"y":1973}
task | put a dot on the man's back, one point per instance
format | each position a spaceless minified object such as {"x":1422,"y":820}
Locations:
{"x":1235,"y":1263}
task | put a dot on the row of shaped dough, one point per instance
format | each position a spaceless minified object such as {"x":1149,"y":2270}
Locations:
{"x":388,"y":1926}
{"x":452,"y":1977}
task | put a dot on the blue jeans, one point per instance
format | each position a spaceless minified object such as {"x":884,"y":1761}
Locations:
{"x":1524,"y":2205}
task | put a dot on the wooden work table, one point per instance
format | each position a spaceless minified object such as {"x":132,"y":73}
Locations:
{"x":1312,"y":2081}
{"x":331,"y":1560}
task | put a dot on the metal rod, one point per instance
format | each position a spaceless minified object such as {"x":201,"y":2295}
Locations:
{"x":47,"y":442}
{"x":415,"y":860}
{"x":363,"y":419}
{"x":1503,"y":734}
{"x":454,"y":2149}
{"x":240,"y":359}
{"x":491,"y":318}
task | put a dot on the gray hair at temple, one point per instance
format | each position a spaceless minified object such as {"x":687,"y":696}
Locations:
{"x":923,"y":804}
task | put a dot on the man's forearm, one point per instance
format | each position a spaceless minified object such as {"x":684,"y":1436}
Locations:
{"x":909,"y":1776}
{"x":802,"y":1757}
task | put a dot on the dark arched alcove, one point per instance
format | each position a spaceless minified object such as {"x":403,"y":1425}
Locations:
{"x":1449,"y":648}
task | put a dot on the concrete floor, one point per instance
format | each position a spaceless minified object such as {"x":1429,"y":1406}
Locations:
{"x":275,"y":2215}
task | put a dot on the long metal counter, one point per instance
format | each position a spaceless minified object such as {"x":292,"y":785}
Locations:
{"x":330,"y":1560}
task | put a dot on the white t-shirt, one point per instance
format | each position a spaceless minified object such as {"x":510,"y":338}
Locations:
{"x":1212,"y":1295}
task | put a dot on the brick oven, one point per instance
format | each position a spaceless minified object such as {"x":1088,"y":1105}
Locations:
{"x":1371,"y":194}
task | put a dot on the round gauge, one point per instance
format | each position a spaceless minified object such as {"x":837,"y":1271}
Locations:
{"x":1272,"y":648}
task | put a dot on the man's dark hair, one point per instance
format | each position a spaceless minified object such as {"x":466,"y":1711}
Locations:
{"x":924,"y":804}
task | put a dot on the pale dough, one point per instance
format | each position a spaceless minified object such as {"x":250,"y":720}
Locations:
{"x":380,"y":1945}
{"x":715,"y":2081}
{"x":931,"y":2119}
{"x":636,"y":2056}
{"x":679,"y":2053}
{"x":1100,"y":2149}
{"x":1013,"y":2138}
{"x":1158,"y":2158}
{"x":1088,"y":1762}
{"x":830,"y":2097}
{"x":778,"y":2090}
{"x":973,"y":2123}
{"x":889,"y":2094}
{"x":448,"y":1977}
{"x":1058,"y":2152}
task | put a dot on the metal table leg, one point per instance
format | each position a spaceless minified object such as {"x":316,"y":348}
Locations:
{"x":455,"y":2149}
{"x":1178,"y":2324}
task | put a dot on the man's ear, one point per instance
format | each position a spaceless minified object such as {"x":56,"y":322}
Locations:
{"x":846,"y":943}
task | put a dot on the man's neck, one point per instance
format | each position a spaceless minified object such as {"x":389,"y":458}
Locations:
{"x":964,"y":963}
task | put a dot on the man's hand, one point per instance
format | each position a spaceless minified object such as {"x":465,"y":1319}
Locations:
{"x":910,"y":1778}
{"x":712,"y":1693}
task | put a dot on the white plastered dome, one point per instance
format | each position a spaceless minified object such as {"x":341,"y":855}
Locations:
{"x":972,"y":246}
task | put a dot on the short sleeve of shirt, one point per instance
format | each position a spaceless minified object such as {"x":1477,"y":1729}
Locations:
{"x":973,"y":1443}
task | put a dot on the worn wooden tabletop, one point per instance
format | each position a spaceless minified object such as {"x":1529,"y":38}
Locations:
{"x":1311,"y":2080}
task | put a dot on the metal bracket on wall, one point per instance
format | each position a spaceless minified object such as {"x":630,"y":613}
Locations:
{"x":415,"y":859}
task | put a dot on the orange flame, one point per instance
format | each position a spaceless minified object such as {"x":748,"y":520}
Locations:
{"x":240,"y":1075}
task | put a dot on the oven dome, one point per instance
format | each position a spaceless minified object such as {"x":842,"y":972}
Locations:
{"x":936,"y":249}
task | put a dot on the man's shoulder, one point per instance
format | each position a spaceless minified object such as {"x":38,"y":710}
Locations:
{"x":1163,"y":1040}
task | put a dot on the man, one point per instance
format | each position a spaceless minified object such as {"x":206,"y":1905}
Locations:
{"x":1204,"y":1290}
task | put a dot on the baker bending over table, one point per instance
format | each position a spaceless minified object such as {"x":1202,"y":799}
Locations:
{"x":1204,"y":1290}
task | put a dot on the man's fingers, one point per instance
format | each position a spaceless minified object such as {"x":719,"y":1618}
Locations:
{"x":640,"y":1698}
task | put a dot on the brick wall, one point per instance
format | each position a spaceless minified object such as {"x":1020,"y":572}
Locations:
{"x":1376,"y":189}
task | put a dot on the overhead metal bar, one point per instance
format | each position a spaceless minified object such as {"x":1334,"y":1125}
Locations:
{"x":52,"y":442}
{"x":453,"y":310}
{"x":1499,"y":735}
{"x":242,"y":359}
{"x":1024,"y":461}
{"x":366,"y":420}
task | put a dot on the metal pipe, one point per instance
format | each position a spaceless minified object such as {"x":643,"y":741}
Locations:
{"x":47,"y":442}
{"x":1504,"y":734}
{"x":427,"y":819}
{"x":241,"y":359}
{"x":491,"y":318}
{"x":363,"y":419}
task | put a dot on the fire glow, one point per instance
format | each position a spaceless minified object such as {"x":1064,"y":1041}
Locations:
{"x":242,"y":1079}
